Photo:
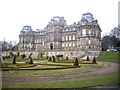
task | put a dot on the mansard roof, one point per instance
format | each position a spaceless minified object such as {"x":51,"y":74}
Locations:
{"x":87,"y":19}
{"x":87,"y":14}
{"x":56,"y":20}
{"x":27,"y":28}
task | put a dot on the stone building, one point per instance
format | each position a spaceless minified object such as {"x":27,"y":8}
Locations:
{"x":84,"y":35}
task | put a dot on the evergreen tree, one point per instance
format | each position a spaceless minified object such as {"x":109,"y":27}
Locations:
{"x":49,"y":59}
{"x":30,"y":58}
{"x":76,"y":63}
{"x":94,"y":60}
{"x":53,"y":57}
{"x":14,"y":59}
{"x":88,"y":58}
{"x":67,"y":58}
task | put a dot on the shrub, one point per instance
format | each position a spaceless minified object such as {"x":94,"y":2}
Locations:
{"x":3,"y":57}
{"x":30,"y":58}
{"x":76,"y":63}
{"x":94,"y":60}
{"x":71,"y":53}
{"x":49,"y":59}
{"x":14,"y":59}
{"x":23,"y":55}
{"x":53,"y":57}
{"x":31,"y":61}
{"x":41,"y":55}
{"x":58,"y":56}
{"x":8,"y":56}
{"x":67,"y":58}
{"x":11,"y":54}
{"x":88,"y":58}
{"x":18,"y":54}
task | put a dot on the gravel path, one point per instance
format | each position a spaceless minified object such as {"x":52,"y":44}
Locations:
{"x":100,"y":71}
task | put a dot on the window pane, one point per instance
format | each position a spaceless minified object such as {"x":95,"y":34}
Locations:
{"x":84,"y":32}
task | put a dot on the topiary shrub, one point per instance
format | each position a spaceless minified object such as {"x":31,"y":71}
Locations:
{"x":14,"y":59}
{"x":8,"y":56}
{"x":23,"y":55}
{"x":18,"y":54}
{"x":87,"y":58}
{"x":58,"y":56}
{"x":3,"y":57}
{"x":67,"y":58}
{"x":41,"y":55}
{"x":30,"y":58}
{"x":31,"y":61}
{"x":49,"y":59}
{"x":11,"y":54}
{"x":94,"y":60}
{"x":53,"y":57}
{"x":76,"y":63}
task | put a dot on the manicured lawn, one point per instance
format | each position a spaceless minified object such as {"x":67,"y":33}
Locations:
{"x":83,"y":68}
{"x":10,"y":60}
{"x":102,"y":80}
{"x":18,"y":65}
{"x":110,"y":56}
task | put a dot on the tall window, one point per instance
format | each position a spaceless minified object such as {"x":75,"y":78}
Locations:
{"x":73,"y":37}
{"x":70,"y":44}
{"x":37,"y":41}
{"x":89,"y":32}
{"x":66,"y":38}
{"x":89,"y":41}
{"x":73,"y":44}
{"x":70,"y":37}
{"x":66,"y":44}
{"x":62,"y":38}
{"x":92,"y":32}
{"x":63,"y":45}
{"x":84,"y":32}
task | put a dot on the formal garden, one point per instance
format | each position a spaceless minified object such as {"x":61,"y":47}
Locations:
{"x":19,"y":71}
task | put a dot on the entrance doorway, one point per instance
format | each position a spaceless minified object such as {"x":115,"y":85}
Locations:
{"x":51,"y":46}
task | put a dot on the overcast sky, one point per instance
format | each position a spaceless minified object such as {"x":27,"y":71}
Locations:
{"x":14,"y":14}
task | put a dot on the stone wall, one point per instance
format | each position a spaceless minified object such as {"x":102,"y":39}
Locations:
{"x":35,"y":54}
{"x":69,"y":54}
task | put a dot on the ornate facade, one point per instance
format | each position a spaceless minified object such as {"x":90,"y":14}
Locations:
{"x":57,"y":35}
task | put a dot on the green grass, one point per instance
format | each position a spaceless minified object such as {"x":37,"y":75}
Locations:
{"x":110,"y":56}
{"x":101,"y":80}
{"x":23,"y":59}
{"x":83,"y":68}
{"x":17,"y":66}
